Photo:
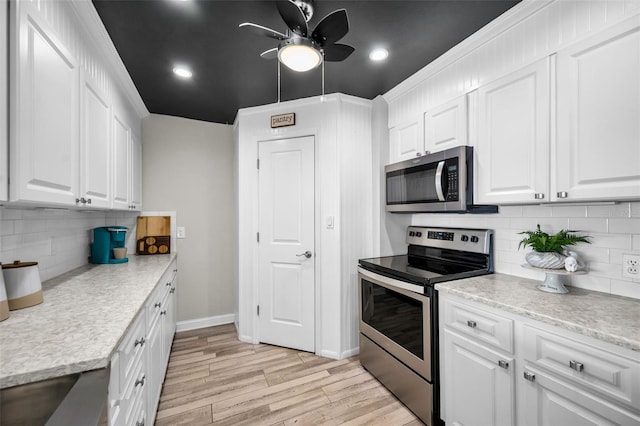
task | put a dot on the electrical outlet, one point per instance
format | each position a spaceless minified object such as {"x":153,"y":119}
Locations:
{"x":631,"y":266}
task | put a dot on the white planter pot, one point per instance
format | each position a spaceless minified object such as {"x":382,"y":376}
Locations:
{"x":545,"y":260}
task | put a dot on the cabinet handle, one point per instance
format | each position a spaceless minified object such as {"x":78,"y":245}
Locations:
{"x":529,"y":376}
{"x":140,"y":382}
{"x":140,"y":423}
{"x":503,"y":364}
{"x":562,"y":194}
{"x":157,"y":305}
{"x":168,"y":283}
{"x":77,"y":200}
{"x":418,"y":154}
{"x":539,"y":196}
{"x":173,"y":290}
{"x":88,"y":200}
{"x":163,"y":312}
{"x":578,"y":366}
{"x":139,"y":341}
{"x":472,"y":324}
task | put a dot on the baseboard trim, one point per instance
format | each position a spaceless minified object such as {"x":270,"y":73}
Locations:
{"x":205,"y":322}
{"x":351,"y":352}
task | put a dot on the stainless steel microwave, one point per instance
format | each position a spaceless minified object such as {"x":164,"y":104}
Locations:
{"x":441,"y":182}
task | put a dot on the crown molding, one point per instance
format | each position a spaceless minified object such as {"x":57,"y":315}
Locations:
{"x":502,"y":23}
{"x":89,"y":18}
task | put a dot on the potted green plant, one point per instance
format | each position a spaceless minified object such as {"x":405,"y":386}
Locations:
{"x":548,"y":250}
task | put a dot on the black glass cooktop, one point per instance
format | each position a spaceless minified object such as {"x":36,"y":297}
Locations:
{"x":421,"y":271}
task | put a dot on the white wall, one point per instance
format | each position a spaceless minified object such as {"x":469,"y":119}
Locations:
{"x":188,"y":168}
{"x":57,"y":239}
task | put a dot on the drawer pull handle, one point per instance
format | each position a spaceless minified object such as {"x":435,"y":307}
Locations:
{"x":157,"y":305}
{"x":529,"y":376}
{"x":503,"y":364}
{"x":139,"y":341}
{"x":168,"y":283}
{"x":140,"y":382}
{"x":472,"y":324}
{"x":578,"y":366}
{"x":140,"y":423}
{"x":173,"y":290}
{"x":163,"y":312}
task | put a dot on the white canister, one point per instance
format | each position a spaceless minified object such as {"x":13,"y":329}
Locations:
{"x":22,"y":281}
{"x":4,"y":303}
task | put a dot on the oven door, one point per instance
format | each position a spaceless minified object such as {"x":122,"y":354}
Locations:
{"x":397,"y":319}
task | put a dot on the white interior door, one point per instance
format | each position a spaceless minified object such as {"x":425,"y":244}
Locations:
{"x":286,"y":233}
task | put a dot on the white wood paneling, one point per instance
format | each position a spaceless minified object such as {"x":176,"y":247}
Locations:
{"x":4,"y":128}
{"x":529,"y":31}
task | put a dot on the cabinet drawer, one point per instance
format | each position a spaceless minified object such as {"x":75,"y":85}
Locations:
{"x":596,"y":369}
{"x":132,"y":349}
{"x":135,"y":391}
{"x":483,"y":326}
{"x":154,"y":304}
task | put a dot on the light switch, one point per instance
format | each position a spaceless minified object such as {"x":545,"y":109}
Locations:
{"x":181,"y":232}
{"x":329,"y":222}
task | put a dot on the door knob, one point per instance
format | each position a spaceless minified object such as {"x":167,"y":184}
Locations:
{"x":306,"y":254}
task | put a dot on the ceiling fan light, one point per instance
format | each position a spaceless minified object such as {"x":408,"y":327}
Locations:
{"x":300,"y":57}
{"x":379,"y":54}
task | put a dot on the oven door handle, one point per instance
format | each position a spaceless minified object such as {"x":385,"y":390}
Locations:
{"x":391,"y":282}
{"x":439,"y":181}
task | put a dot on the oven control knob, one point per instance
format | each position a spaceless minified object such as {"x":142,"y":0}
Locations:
{"x":464,"y":238}
{"x":418,"y":234}
{"x":412,"y":234}
{"x":474,"y":239}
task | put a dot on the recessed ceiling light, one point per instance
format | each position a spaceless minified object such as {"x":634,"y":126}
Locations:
{"x":379,"y":54}
{"x":183,"y":72}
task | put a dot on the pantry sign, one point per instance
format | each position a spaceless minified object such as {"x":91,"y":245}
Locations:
{"x":283,"y":120}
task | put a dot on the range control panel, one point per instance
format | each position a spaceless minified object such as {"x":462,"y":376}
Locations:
{"x":464,"y":239}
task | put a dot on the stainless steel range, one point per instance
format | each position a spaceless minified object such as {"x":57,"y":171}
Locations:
{"x":399,"y":310}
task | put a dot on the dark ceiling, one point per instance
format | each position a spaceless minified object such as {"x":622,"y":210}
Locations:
{"x":228,"y":73}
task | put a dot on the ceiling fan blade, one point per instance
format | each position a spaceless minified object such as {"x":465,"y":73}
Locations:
{"x":331,"y":28}
{"x":293,"y":17}
{"x":337,"y":52}
{"x":263,"y":31}
{"x":270,"y":54}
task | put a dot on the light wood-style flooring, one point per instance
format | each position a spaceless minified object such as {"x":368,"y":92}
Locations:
{"x":214,"y":379}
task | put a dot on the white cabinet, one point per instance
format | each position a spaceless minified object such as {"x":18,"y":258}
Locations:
{"x":127,"y":166}
{"x":4,"y":113}
{"x":161,"y":319}
{"x":551,"y":376}
{"x":138,"y":367}
{"x":406,"y":140}
{"x":44,"y":141}
{"x":446,"y":125}
{"x":597,"y":149}
{"x":512,"y":148}
{"x":95,"y":146}
{"x":477,"y":366}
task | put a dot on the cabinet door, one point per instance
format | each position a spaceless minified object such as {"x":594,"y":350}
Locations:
{"x":478,"y":384}
{"x":169,"y":321}
{"x":512,"y":150}
{"x":446,"y":126}
{"x":156,"y":367}
{"x":4,"y":112}
{"x":544,"y":399}
{"x":136,"y":173}
{"x":44,"y":131}
{"x":95,"y":145}
{"x":597,"y":148}
{"x":121,"y":162}
{"x":406,"y":140}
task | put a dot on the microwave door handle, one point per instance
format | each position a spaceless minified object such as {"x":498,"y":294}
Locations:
{"x":439,"y":181}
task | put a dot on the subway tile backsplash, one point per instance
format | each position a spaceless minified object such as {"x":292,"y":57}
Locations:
{"x":55,"y":238}
{"x":614,"y":228}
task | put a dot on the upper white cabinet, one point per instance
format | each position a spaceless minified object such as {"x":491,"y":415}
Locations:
{"x":44,"y":143}
{"x":62,"y":129}
{"x":406,"y":140}
{"x":597,"y":149}
{"x":95,"y":147}
{"x":446,"y":126}
{"x":127,"y":166}
{"x":4,"y":84}
{"x":512,"y":148}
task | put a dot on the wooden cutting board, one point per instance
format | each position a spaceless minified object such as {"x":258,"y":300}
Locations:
{"x":153,"y":235}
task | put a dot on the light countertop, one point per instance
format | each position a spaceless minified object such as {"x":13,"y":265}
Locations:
{"x":77,"y":328}
{"x":613,"y":319}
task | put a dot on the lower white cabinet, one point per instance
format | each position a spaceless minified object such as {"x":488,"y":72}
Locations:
{"x":139,"y":366}
{"x":550,"y":377}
